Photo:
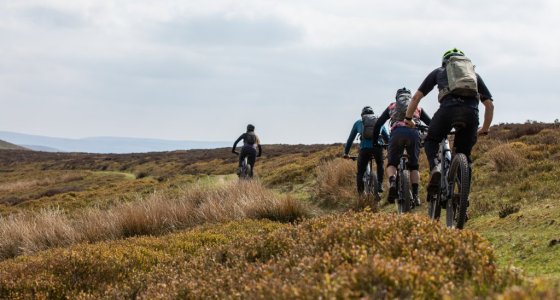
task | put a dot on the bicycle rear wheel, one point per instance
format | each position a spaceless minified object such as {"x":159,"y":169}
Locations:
{"x":434,"y":207}
{"x":371,"y":189}
{"x":404,"y":202}
{"x":245,"y":170}
{"x":459,"y":178}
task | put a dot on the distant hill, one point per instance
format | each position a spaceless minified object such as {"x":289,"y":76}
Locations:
{"x":41,"y":148}
{"x":105,"y":144}
{"x":9,"y":146}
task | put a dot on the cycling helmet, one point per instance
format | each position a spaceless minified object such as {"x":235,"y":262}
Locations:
{"x":367,"y":110}
{"x":250,"y":127}
{"x":402,"y":91}
{"x":452,"y":52}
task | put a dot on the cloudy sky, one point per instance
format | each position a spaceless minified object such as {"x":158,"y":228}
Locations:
{"x":299,"y":70}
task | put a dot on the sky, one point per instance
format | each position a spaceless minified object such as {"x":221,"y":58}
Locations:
{"x":300,"y":71}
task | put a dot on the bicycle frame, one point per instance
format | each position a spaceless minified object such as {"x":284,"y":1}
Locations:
{"x":444,"y":157}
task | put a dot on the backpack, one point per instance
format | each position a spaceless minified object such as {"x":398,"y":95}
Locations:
{"x":399,"y":109}
{"x":250,"y":138}
{"x":461,"y":78}
{"x":369,"y":123}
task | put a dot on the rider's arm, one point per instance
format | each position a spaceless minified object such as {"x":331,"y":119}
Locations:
{"x":259,"y":146}
{"x":412,"y":106}
{"x":379,"y":124}
{"x":237,"y":141}
{"x":488,"y":116}
{"x":427,"y":85}
{"x":424,"y":117}
{"x":351,"y":138}
{"x":486,"y":99}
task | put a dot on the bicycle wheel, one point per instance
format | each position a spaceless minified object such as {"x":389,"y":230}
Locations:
{"x":434,"y":207}
{"x":374,"y":186}
{"x":460,"y":189}
{"x":245,"y":170}
{"x":404,"y":202}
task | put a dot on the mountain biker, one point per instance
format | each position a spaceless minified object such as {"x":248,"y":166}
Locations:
{"x":368,"y":150}
{"x":402,"y":137}
{"x":250,"y":144}
{"x":453,"y":109}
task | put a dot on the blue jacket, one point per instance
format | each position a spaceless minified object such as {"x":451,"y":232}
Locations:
{"x":358,"y":128}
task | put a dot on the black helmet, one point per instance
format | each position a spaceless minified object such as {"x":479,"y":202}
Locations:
{"x":402,"y":91}
{"x":250,"y":127}
{"x":367,"y":110}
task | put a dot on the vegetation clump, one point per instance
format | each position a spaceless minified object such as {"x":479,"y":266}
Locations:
{"x":350,"y":255}
{"x":156,"y":214}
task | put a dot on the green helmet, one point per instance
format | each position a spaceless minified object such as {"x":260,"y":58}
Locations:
{"x":452,"y":52}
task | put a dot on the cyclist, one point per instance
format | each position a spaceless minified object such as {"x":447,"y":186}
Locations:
{"x":402,"y":138}
{"x":368,"y":149}
{"x":453,"y":109}
{"x":250,"y":144}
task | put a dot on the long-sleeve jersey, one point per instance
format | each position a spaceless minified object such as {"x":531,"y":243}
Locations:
{"x":244,"y":138}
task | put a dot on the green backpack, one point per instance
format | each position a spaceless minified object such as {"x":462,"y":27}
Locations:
{"x":461,"y":78}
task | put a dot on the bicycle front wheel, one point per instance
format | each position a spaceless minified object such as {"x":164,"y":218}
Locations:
{"x":459,"y":177}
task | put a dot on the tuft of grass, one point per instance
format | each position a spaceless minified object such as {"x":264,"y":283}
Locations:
{"x":506,"y":157}
{"x":335,"y":184}
{"x":154,"y":215}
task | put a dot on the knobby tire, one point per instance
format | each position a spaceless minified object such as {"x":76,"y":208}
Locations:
{"x":434,"y":207}
{"x":371,"y":188}
{"x":457,"y":205}
{"x":404,"y":202}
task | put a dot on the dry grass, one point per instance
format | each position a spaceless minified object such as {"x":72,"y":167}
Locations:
{"x":20,"y":185}
{"x":335,"y":184}
{"x":507,"y":157}
{"x":154,"y":215}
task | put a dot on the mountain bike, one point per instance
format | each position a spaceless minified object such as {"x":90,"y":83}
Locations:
{"x":454,"y":187}
{"x":371,"y":185}
{"x":244,"y":172}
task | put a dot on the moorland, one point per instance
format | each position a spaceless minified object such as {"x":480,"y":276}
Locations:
{"x":180,"y":225}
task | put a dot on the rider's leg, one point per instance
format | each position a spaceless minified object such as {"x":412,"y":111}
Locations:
{"x":466,"y":137}
{"x":378,"y":155}
{"x":251,"y":157}
{"x":413,"y":150}
{"x":363,"y":160}
{"x":242,"y":155}
{"x":440,"y":126}
{"x":394,"y":153}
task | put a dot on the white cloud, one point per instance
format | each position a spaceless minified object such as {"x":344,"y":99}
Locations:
{"x":202,"y":69}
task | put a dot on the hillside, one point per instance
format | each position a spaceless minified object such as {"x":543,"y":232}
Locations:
{"x":178,"y":224}
{"x":104,"y":144}
{"x":9,"y":146}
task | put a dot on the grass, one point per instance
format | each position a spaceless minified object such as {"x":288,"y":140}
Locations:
{"x":523,"y":239}
{"x":156,"y":214}
{"x":351,"y":255}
